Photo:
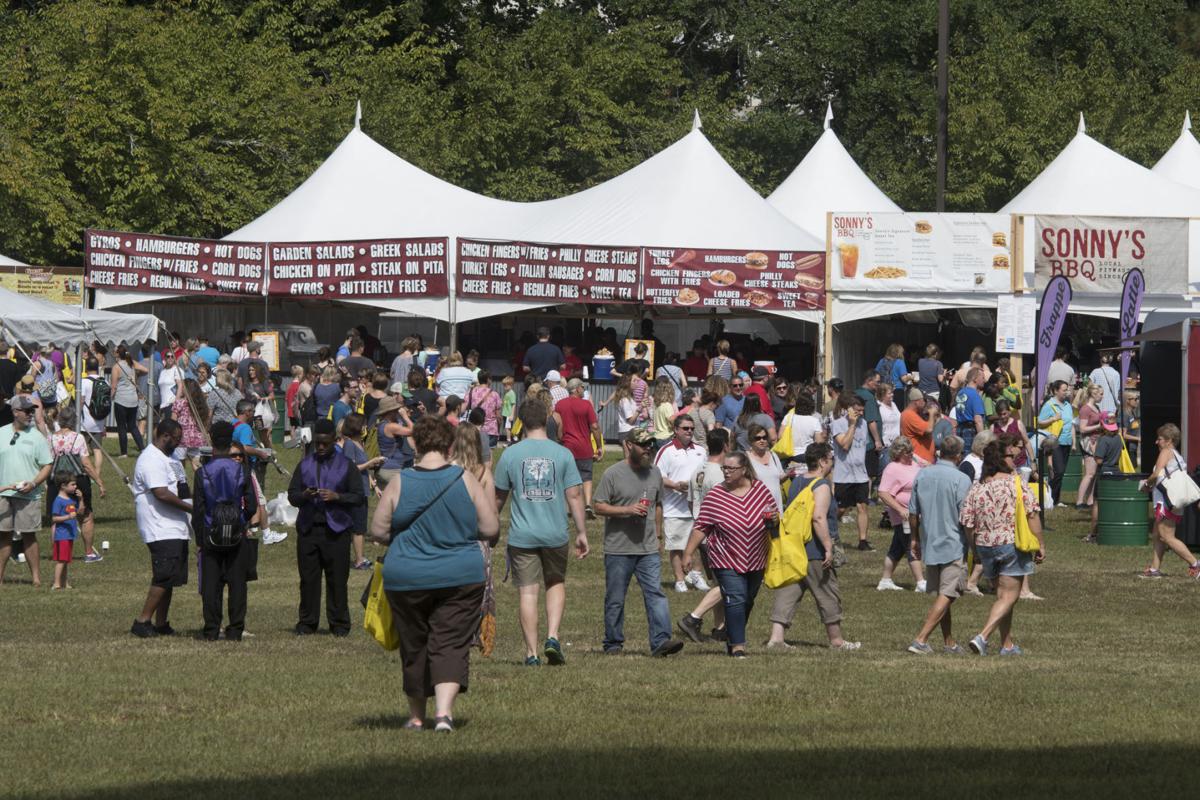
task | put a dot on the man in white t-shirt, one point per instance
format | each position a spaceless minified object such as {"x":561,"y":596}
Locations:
{"x":162,"y":520}
{"x":678,"y":461}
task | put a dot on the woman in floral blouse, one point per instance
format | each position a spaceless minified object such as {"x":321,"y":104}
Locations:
{"x":989,"y":515}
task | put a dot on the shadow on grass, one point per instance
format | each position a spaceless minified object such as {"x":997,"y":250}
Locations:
{"x":431,"y":765}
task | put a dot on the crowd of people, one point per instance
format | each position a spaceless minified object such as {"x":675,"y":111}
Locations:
{"x":715,"y":453}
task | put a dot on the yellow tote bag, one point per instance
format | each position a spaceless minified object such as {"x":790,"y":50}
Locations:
{"x":783,"y":445}
{"x":377,"y":621}
{"x":787,"y":561}
{"x":1027,"y":541}
{"x":1125,"y":464}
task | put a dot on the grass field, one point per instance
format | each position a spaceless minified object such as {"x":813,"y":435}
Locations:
{"x":1102,"y":705}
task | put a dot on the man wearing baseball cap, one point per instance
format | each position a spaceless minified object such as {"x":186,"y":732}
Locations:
{"x":553,"y":382}
{"x":758,"y":387}
{"x":627,"y":497}
{"x":25,"y":462}
{"x":1108,"y":461}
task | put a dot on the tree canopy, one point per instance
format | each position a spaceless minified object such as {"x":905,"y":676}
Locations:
{"x":193,"y":117}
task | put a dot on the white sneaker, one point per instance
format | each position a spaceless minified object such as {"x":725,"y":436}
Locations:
{"x":888,"y":585}
{"x":920,"y":587}
{"x":848,"y":647}
{"x":681,"y":586}
{"x":273,"y":537}
{"x":694,"y":578}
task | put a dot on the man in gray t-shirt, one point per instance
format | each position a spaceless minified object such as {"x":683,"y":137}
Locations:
{"x":849,"y":436}
{"x":627,"y":496}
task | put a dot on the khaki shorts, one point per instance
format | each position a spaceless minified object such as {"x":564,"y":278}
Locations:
{"x":824,"y":587}
{"x":19,"y":515}
{"x":948,"y":580}
{"x":676,"y":531}
{"x":532,"y":566}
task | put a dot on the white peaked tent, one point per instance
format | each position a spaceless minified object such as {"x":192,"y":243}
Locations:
{"x":827,"y":179}
{"x":684,"y":196}
{"x":5,"y":261}
{"x":1087,"y":178}
{"x":364,"y":191}
{"x":1182,"y":162}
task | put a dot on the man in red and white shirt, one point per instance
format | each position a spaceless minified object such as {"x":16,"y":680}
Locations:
{"x":678,"y":461}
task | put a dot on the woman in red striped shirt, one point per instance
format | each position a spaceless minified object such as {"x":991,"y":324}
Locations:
{"x":735,"y":516}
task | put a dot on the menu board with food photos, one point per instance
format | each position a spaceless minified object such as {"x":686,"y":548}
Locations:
{"x":769,"y":280}
{"x":896,"y":251}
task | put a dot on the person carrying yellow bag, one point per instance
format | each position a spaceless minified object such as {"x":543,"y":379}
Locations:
{"x":1111,"y":459}
{"x":817,"y":521}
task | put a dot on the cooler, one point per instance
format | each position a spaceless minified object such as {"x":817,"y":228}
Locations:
{"x":602,"y":367}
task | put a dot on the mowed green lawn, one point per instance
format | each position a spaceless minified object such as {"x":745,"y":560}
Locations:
{"x":1103,"y":704}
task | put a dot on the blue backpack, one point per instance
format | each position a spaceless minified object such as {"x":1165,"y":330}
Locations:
{"x":224,"y":524}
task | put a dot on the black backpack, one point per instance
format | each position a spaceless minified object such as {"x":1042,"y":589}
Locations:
{"x":100,"y":403}
{"x":224,"y":522}
{"x":308,"y":409}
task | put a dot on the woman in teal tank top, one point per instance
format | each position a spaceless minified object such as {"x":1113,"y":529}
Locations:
{"x":432,"y":519}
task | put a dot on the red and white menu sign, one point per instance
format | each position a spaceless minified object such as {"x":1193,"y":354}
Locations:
{"x":142,"y":262}
{"x":554,"y":273}
{"x":384,"y":269}
{"x":770,"y":279}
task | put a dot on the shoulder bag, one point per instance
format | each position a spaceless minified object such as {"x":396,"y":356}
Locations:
{"x":1180,"y":489}
{"x":1026,"y":539}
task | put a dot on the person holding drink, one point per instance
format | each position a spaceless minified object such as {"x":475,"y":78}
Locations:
{"x":737,"y":518}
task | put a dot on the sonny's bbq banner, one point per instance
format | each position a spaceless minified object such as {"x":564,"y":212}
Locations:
{"x":143,"y":262}
{"x":1096,"y":253}
{"x":734,"y":278}
{"x":554,"y":273}
{"x":381,"y":269}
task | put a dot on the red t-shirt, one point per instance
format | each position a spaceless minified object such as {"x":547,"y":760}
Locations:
{"x":574,"y":366}
{"x":578,"y":416}
{"x":759,"y":391}
{"x":696,"y":367}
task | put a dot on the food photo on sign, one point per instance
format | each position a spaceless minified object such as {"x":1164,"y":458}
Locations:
{"x":734,"y":278}
{"x":892,"y":251}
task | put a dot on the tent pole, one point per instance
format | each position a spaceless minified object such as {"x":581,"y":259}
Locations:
{"x":826,"y":365}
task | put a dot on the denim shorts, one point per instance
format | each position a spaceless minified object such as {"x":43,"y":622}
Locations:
{"x":1005,"y":559}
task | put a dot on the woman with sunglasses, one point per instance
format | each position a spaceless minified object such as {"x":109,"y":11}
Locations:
{"x":782,"y":397}
{"x":989,"y":517}
{"x":733,"y":520}
{"x":767,"y":466}
{"x":752,"y":414}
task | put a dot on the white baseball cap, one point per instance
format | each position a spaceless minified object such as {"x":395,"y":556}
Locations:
{"x":553,"y":375}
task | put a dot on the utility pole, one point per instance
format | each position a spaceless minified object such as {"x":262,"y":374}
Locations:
{"x":943,"y":92}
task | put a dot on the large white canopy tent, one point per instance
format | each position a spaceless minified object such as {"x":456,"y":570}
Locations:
{"x":31,"y":319}
{"x":827,"y":179}
{"x":687,"y":195}
{"x":1089,"y":179}
{"x":1182,"y":162}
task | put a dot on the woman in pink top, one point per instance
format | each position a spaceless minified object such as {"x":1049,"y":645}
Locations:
{"x":484,"y":397}
{"x":190,"y":410}
{"x":895,"y":487}
{"x":735,"y":516}
{"x":1089,"y":433}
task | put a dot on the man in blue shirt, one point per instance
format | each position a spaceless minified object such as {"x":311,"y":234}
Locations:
{"x":257,"y":457}
{"x":969,"y":412}
{"x":934,"y":506}
{"x":1056,"y":410}
{"x":731,"y":405}
{"x":544,"y":483}
{"x":207,"y":352}
{"x":544,"y":356}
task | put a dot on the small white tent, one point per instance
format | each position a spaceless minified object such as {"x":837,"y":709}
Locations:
{"x":32,"y":319}
{"x":827,"y":179}
{"x":1182,"y":162}
{"x":5,"y":261}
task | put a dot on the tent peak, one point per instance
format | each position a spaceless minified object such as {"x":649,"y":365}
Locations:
{"x":1082,"y":125}
{"x":358,"y":115}
{"x":696,"y":124}
{"x":828,"y":114}
{"x":1187,"y":121}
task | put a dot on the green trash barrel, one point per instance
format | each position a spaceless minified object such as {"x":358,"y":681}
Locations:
{"x":1074,"y":473}
{"x":1124,"y":518}
{"x":277,"y":428}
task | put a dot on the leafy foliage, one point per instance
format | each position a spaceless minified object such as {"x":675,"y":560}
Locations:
{"x":194,"y":116}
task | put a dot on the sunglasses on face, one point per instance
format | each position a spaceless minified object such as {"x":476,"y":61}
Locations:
{"x":760,"y":439}
{"x":730,"y":469}
{"x":685,"y":430}
{"x":735,"y":386}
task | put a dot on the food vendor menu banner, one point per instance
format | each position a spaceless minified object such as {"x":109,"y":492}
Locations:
{"x":554,"y":273}
{"x":897,"y":251}
{"x":380,"y":269}
{"x":56,"y":284}
{"x":142,"y":262}
{"x":1096,"y":253}
{"x":769,"y":279}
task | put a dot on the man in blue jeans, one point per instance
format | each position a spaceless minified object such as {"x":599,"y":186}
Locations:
{"x":626,"y":498}
{"x":969,"y":412}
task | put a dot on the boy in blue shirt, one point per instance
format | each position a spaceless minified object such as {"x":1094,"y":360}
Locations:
{"x":64,"y":513}
{"x":968,"y":408}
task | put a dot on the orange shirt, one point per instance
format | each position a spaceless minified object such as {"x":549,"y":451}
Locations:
{"x":920,"y":433}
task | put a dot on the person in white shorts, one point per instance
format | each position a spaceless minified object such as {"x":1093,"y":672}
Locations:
{"x":678,"y":461}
